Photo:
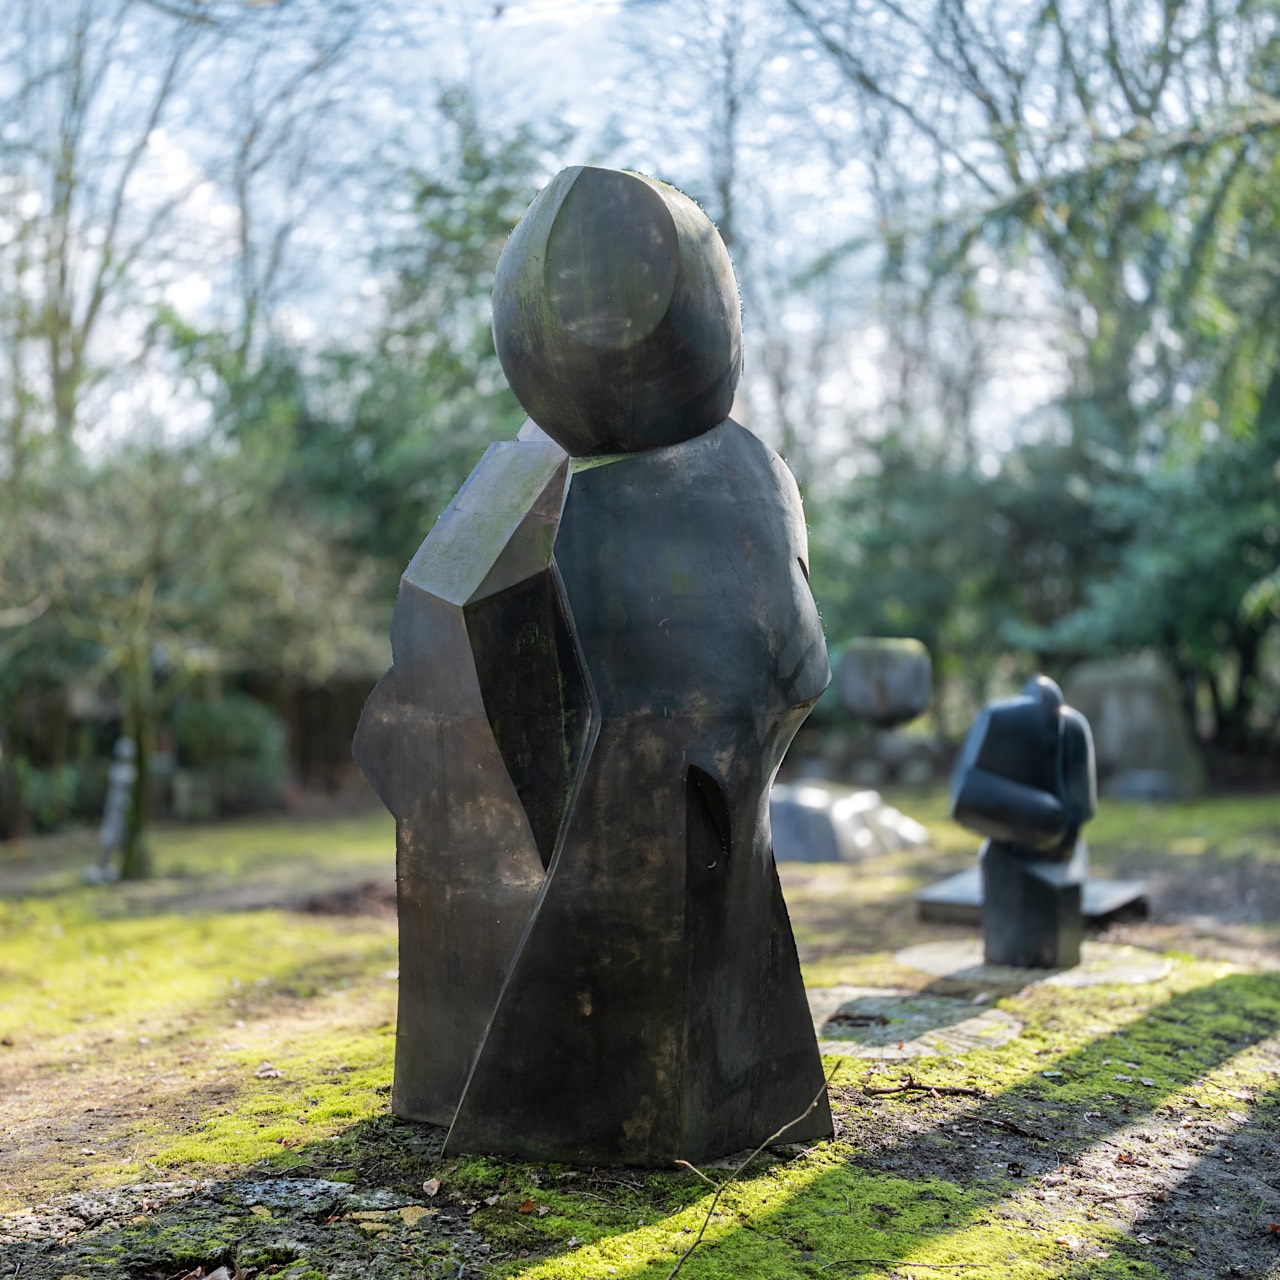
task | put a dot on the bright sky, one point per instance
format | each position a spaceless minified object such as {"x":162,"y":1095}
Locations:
{"x":627,"y":77}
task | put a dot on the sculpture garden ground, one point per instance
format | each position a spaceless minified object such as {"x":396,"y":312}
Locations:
{"x":194,"y":1074}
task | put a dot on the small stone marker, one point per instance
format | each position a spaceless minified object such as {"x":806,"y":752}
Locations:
{"x":111,"y":834}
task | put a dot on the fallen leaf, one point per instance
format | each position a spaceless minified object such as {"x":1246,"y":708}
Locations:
{"x":431,"y":1186}
{"x":1072,"y":1242}
{"x":1122,"y":1079}
{"x":543,"y":1210}
{"x":491,"y":1200}
{"x":267,"y":1072}
{"x":526,"y":1206}
{"x":573,"y":1240}
{"x":1151,"y":1084}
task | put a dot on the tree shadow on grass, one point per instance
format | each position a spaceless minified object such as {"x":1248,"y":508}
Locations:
{"x":944,"y":1196}
{"x":1221,"y":1217}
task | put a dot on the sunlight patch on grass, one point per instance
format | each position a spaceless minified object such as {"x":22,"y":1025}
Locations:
{"x":134,"y":1043}
{"x":64,"y":967}
{"x":329,"y":1080}
{"x":242,"y":850}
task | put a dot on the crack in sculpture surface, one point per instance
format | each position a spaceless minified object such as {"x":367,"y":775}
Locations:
{"x":600,"y":657}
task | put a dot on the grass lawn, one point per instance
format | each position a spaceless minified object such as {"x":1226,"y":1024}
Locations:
{"x":194,"y":1073}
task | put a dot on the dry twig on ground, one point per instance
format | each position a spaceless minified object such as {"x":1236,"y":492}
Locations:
{"x":722,"y":1187}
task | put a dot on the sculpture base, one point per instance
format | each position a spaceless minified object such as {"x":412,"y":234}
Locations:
{"x":1032,"y":916}
{"x":958,"y":900}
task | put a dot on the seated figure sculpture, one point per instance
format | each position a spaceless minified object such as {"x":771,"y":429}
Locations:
{"x":1026,"y":780}
{"x":600,"y":655}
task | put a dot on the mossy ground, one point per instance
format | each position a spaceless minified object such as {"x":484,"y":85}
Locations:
{"x":195,"y":1072}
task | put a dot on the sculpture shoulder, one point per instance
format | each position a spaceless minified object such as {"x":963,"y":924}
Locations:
{"x":745,"y":445}
{"x":514,"y":482}
{"x":727,"y":455}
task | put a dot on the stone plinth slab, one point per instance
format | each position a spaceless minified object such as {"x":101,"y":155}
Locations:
{"x":958,"y":899}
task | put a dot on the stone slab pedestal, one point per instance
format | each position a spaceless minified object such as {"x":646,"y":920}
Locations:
{"x":958,"y":900}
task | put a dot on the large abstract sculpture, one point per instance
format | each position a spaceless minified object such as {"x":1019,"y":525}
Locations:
{"x":1025,"y":779}
{"x":601,"y":653}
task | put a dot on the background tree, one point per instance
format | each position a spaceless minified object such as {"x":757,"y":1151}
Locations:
{"x":178,"y":563}
{"x":379,"y":433}
{"x":1097,"y":159}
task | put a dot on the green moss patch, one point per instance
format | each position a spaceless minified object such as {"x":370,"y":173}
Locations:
{"x":243,"y":1057}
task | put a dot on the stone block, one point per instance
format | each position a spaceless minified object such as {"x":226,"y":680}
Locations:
{"x":885,"y":681}
{"x":1032,"y":908}
{"x":1139,"y":726}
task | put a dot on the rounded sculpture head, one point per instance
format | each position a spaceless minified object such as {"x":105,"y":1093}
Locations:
{"x":615,"y":314}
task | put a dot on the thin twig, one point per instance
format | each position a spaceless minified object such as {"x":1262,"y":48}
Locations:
{"x":721,"y":1187}
{"x":684,"y":1164}
{"x":911,"y":1085}
{"x":1011,"y":1127}
{"x":615,"y":1182}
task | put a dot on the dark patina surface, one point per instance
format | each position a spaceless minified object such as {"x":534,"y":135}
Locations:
{"x":599,"y":662}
